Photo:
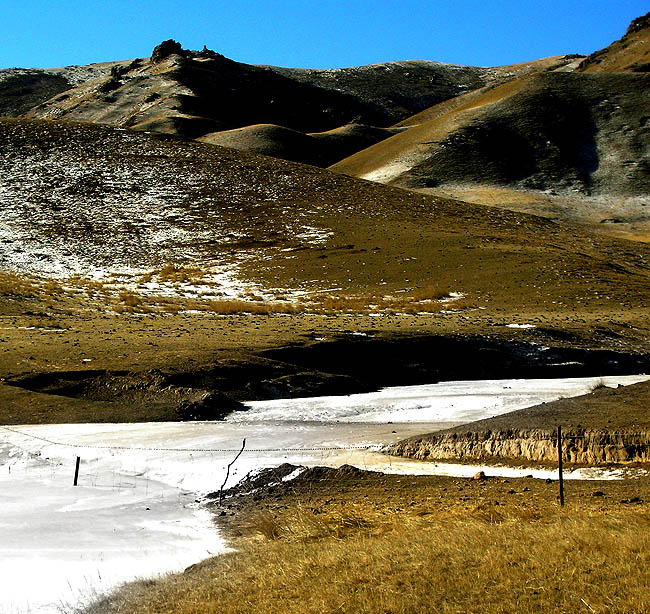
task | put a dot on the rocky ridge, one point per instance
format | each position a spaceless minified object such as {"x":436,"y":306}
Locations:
{"x":202,"y":94}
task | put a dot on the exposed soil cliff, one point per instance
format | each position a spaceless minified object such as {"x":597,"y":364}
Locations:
{"x":586,"y":447}
{"x":609,"y":425}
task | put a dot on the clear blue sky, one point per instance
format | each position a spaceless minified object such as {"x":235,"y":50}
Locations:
{"x":318,"y":34}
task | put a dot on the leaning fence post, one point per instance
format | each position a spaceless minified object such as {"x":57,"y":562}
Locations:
{"x":559,"y":463}
{"x":243,"y":445}
{"x":76,"y":471}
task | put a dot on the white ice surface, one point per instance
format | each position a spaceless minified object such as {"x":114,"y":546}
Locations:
{"x":135,"y":511}
{"x":462,"y":401}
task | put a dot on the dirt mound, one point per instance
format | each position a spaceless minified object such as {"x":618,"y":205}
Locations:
{"x":285,"y":477}
{"x":318,"y":148}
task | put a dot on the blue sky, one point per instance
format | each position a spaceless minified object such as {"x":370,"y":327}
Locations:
{"x":319,"y":34}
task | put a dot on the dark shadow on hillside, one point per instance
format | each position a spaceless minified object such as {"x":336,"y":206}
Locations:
{"x":540,"y":139}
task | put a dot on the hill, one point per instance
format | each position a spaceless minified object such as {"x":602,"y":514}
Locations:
{"x":631,"y":53}
{"x":318,"y":148}
{"x":567,"y":144}
{"x":201,"y":94}
{"x":554,"y":131}
{"x":104,"y":226}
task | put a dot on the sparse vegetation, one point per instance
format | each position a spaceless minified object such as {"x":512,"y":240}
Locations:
{"x":17,"y":285}
{"x":180,"y":274}
{"x":419,"y":300}
{"x":357,"y":555}
{"x":26,"y":286}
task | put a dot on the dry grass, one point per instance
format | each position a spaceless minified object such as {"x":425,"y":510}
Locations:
{"x":353,"y":560}
{"x":420,"y":300}
{"x":16,"y":285}
{"x":180,"y":274}
{"x":129,"y":302}
{"x":12,"y":284}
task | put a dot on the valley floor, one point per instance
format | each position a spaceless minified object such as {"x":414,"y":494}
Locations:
{"x":136,"y":512}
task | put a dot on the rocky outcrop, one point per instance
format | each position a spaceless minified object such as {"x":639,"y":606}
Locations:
{"x":165,"y":49}
{"x":585,"y":447}
{"x":638,"y":24}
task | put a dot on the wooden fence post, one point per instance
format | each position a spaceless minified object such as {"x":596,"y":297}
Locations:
{"x":243,"y":445}
{"x":559,"y":463}
{"x":76,"y":471}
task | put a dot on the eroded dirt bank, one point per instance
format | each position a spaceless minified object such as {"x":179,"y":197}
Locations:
{"x":341,"y":365}
{"x":588,"y":447}
{"x":608,"y":425}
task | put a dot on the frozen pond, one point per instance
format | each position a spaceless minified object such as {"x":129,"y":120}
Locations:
{"x":136,"y":511}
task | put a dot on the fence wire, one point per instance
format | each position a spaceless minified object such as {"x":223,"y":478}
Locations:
{"x":163,"y":449}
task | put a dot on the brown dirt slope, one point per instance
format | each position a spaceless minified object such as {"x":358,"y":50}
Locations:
{"x":555,"y":131}
{"x":629,"y":54}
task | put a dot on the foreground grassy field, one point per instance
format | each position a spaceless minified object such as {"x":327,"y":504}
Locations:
{"x":349,"y":541}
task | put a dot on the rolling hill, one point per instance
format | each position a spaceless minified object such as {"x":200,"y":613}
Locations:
{"x":204,"y":94}
{"x":129,"y":252}
{"x":568,"y":144}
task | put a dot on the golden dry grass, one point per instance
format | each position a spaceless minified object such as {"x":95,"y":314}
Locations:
{"x":12,"y":284}
{"x":420,"y":300}
{"x":16,"y":285}
{"x":484,"y":561}
{"x":123,"y":299}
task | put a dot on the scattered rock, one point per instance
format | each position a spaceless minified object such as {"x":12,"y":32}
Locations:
{"x":479,"y":476}
{"x":632,"y":500}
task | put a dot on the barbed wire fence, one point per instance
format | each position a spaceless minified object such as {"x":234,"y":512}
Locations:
{"x":128,"y":472}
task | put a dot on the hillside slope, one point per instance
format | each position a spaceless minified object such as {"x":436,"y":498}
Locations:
{"x":631,"y":53}
{"x":571,"y":143}
{"x":81,"y":198}
{"x":554,"y":131}
{"x":201,"y":94}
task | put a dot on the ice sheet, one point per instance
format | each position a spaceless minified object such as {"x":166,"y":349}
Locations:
{"x":135,"y":512}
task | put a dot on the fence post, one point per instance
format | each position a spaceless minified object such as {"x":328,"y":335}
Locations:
{"x":243,"y":445}
{"x":76,"y":471}
{"x":559,"y":463}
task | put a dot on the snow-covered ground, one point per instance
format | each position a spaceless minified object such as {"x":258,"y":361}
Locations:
{"x":136,"y":511}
